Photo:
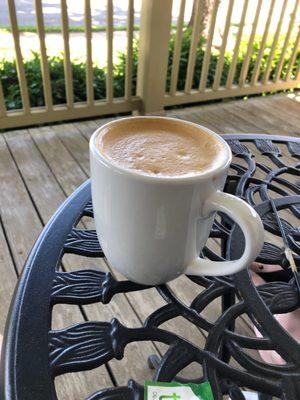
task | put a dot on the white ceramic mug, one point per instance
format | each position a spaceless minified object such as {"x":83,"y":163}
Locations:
{"x":153,"y":228}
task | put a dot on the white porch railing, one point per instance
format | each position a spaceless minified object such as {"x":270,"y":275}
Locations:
{"x":154,"y":89}
{"x":243,"y":87}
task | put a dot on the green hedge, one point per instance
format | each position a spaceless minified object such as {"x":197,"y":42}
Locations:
{"x":8,"y":73}
{"x":227,"y":61}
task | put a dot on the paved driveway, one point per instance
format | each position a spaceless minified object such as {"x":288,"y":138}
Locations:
{"x":51,"y":8}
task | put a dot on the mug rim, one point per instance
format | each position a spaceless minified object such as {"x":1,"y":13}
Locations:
{"x":161,"y":178}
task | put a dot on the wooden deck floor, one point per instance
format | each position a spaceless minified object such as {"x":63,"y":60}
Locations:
{"x":40,"y":167}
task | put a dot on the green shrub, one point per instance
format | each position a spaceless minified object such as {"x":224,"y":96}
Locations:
{"x":11,"y":89}
{"x":227,"y":61}
{"x":8,"y":72}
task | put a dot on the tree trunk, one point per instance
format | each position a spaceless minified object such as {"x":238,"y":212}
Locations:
{"x":205,"y":8}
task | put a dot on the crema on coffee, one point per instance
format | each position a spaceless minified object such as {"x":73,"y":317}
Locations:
{"x":160,"y":147}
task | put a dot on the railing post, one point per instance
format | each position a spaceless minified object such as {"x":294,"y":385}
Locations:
{"x":153,"y":54}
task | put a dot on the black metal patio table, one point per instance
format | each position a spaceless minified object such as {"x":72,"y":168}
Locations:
{"x":29,"y":340}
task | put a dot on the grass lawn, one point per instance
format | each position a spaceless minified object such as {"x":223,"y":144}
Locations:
{"x":57,"y":28}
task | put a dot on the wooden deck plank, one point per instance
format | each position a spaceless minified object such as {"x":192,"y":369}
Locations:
{"x":226,"y":122}
{"x":76,"y":143}
{"x":245,"y":117}
{"x":215,"y":120}
{"x":256,"y":115}
{"x":145,"y":303}
{"x":119,"y":307}
{"x":66,"y":170}
{"x":287,"y":111}
{"x":135,"y":361}
{"x":19,"y":218}
{"x":197,"y":119}
{"x":286,"y":104}
{"x":239,"y":122}
{"x":38,"y":170}
{"x":182,"y":286}
{"x":17,"y":212}
{"x":222,"y":119}
{"x":78,"y":386}
{"x":26,"y":155}
{"x":153,"y":301}
{"x":8,"y":279}
{"x":270,"y":121}
{"x":88,"y":127}
{"x":262,"y":116}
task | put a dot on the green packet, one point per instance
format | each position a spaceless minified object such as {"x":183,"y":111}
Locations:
{"x":177,"y":391}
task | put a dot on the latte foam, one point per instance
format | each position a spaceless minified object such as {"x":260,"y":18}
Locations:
{"x":158,"y":146}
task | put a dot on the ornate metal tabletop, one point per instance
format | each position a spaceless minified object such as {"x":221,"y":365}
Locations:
{"x":29,"y":339}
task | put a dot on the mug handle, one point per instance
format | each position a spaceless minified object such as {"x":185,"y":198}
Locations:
{"x":250,"y":223}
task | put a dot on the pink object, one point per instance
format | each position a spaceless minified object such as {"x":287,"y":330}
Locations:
{"x":1,"y":339}
{"x":289,"y":321}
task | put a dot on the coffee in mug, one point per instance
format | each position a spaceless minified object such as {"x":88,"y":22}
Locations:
{"x":160,"y":148}
{"x":156,"y":185}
